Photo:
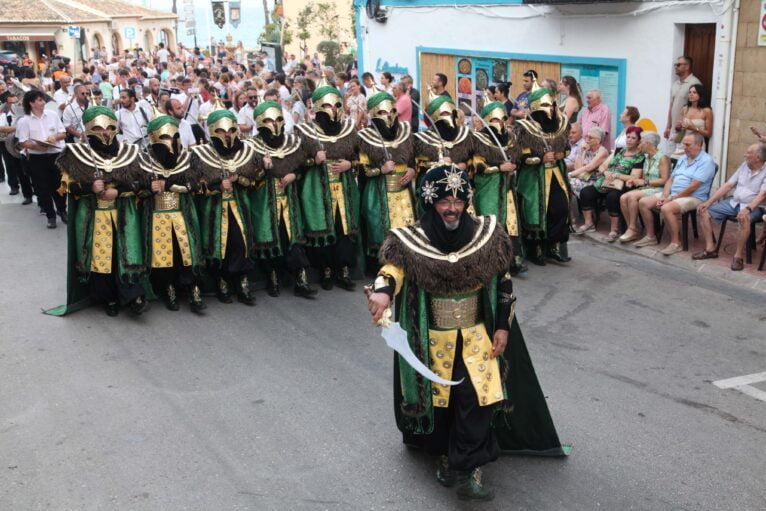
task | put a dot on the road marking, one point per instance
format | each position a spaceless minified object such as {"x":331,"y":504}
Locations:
{"x":744,"y":384}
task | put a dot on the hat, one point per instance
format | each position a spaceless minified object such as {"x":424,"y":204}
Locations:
{"x":443,"y":181}
{"x":265,"y":106}
{"x":378,"y":98}
{"x":94,"y":111}
{"x":217,"y":115}
{"x":159,"y":122}
{"x":437,"y":102}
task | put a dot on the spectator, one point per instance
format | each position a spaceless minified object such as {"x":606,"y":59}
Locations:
{"x":403,"y":103}
{"x":597,"y":115}
{"x":575,"y":139}
{"x":387,"y":82}
{"x":369,"y":83}
{"x":64,"y":94}
{"x":176,"y":109}
{"x":72,"y":115}
{"x":415,"y":97}
{"x":356,"y":104}
{"x":688,"y":187}
{"x":240,"y":100}
{"x":131,"y":118}
{"x":572,"y":102}
{"x":749,"y":186}
{"x":591,"y":155}
{"x":522,"y":102}
{"x":621,"y":167}
{"x":439,"y":85}
{"x":629,"y":117}
{"x":696,"y":117}
{"x":679,"y":96}
{"x":502,"y":89}
{"x":162,"y":54}
{"x":655,"y":173}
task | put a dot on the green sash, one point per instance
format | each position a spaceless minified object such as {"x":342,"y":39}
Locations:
{"x":375,"y":213}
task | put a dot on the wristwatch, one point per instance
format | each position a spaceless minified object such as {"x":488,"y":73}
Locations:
{"x":749,"y":209}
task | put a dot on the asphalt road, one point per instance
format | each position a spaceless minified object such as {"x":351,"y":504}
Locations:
{"x":288,"y":405}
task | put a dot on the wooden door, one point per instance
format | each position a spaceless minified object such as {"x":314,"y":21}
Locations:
{"x":432,"y":63}
{"x":699,"y":44}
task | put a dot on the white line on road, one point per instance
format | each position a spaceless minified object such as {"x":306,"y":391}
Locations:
{"x":743,"y":384}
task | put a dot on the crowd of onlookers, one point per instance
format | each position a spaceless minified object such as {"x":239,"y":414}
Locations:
{"x":633,"y":175}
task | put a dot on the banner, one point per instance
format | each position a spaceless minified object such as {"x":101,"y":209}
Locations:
{"x":235,"y":13}
{"x":219,"y":14}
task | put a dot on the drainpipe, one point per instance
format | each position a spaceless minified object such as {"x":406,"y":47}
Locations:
{"x":729,"y":39}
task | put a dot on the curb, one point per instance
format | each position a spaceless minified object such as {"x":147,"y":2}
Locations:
{"x":754,"y":283}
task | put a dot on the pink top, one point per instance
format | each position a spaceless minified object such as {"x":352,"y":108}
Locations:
{"x":404,"y":108}
{"x":598,"y":117}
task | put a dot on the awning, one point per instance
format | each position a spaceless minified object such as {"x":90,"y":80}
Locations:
{"x":27,"y":37}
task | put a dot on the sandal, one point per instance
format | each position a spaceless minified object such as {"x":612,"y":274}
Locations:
{"x":737,"y":264}
{"x":705,"y":255}
{"x":612,"y":236}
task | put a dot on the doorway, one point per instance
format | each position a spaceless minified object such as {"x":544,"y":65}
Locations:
{"x":699,"y":44}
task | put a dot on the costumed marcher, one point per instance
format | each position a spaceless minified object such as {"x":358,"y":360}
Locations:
{"x":105,"y":250}
{"x":449,"y":273}
{"x":276,"y":211}
{"x":225,"y":228}
{"x":445,"y":140}
{"x":387,"y":166}
{"x":492,"y":169}
{"x":328,"y":192}
{"x":172,"y":232}
{"x":542,"y":184}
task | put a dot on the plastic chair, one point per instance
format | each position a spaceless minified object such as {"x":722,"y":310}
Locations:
{"x":749,"y":247}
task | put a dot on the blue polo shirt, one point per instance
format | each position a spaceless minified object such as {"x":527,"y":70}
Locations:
{"x":701,"y":169}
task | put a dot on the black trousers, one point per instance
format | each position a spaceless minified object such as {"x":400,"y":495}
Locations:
{"x":294,"y":258}
{"x":589,"y":195}
{"x":46,"y":178}
{"x":15,"y":174}
{"x":557,"y":216}
{"x":236,"y":262}
{"x":463,"y":431}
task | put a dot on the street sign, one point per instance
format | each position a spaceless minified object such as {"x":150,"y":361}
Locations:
{"x":190,"y":32}
{"x":74,"y":32}
{"x":130,"y":33}
{"x":191,"y":23}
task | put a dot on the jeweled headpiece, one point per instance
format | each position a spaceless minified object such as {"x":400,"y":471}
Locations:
{"x":445,"y":181}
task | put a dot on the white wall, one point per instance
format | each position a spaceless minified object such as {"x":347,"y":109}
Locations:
{"x":649,"y":41}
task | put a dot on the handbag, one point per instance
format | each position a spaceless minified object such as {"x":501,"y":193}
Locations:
{"x":614,"y":184}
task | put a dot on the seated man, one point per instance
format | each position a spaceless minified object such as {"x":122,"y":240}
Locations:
{"x":575,"y":137}
{"x":688,"y":186}
{"x":749,"y":185}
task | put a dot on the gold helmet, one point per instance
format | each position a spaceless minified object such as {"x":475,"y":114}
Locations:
{"x":382,"y":106}
{"x":269,"y":115}
{"x":541,"y":100}
{"x":495,"y":114}
{"x":100,"y":122}
{"x":164,"y":130}
{"x":441,"y":108}
{"x":222,"y":124}
{"x":327,"y":99}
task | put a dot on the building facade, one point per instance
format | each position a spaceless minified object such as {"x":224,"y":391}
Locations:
{"x":343,"y":9}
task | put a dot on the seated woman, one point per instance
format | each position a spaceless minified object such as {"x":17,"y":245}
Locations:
{"x":623,"y":165}
{"x":592,"y":154}
{"x":656,"y":171}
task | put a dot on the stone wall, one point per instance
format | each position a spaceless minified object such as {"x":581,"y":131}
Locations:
{"x":749,"y":93}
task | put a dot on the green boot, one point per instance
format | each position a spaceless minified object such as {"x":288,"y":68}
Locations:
{"x":469,"y":486}
{"x":444,"y":474}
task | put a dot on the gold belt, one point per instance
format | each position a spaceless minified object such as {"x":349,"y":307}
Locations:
{"x":451,"y":313}
{"x":332,"y":176}
{"x":166,"y":200}
{"x":551,"y":165}
{"x":227,"y":195}
{"x":104,"y":204}
{"x":393,"y":182}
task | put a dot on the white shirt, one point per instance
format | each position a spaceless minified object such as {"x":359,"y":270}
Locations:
{"x":747,"y":185}
{"x":31,"y":127}
{"x":163,"y":54}
{"x":245,"y":116}
{"x":132,"y":124}
{"x":61,"y":97}
{"x":193,"y":106}
{"x":284,"y":93}
{"x":73,"y":116}
{"x":186,"y":133}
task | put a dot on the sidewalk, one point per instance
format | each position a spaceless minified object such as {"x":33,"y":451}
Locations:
{"x":718,"y":268}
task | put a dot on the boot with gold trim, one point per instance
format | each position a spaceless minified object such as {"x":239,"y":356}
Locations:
{"x":171,"y":298}
{"x":469,"y":486}
{"x":244,"y":295}
{"x":302,"y":287}
{"x":223,"y":294}
{"x":195,"y":300}
{"x":272,"y":286}
{"x":326,"y":281}
{"x":343,"y":279}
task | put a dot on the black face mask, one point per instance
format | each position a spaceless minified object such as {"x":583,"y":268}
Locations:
{"x":106,"y":151}
{"x":329,"y":126}
{"x":271,"y":140}
{"x":442,"y":238}
{"x":163,"y":155}
{"x":447,"y":132}
{"x":226,"y":151}
{"x":548,"y":125}
{"x":501,"y":137}
{"x":388,"y":133}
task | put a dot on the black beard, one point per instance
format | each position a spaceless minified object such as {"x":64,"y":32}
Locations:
{"x":164,"y":157}
{"x":107,"y":151}
{"x":447,"y":132}
{"x":269,"y":138}
{"x":226,"y":151}
{"x":501,"y":137}
{"x":548,"y":125}
{"x":329,"y":126}
{"x":386,"y":132}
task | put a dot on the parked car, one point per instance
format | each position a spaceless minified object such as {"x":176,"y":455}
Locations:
{"x":9,"y":60}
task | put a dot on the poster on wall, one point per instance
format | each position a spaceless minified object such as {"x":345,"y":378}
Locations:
{"x":603,"y":78}
{"x":762,"y":25}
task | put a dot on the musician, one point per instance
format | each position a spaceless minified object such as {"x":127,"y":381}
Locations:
{"x":42,"y":134}
{"x":16,"y":176}
{"x":72,"y":116}
{"x":132,"y":118}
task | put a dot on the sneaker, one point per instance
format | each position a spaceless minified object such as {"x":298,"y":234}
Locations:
{"x":646,"y":241}
{"x":585,"y":228}
{"x":671,"y":249}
